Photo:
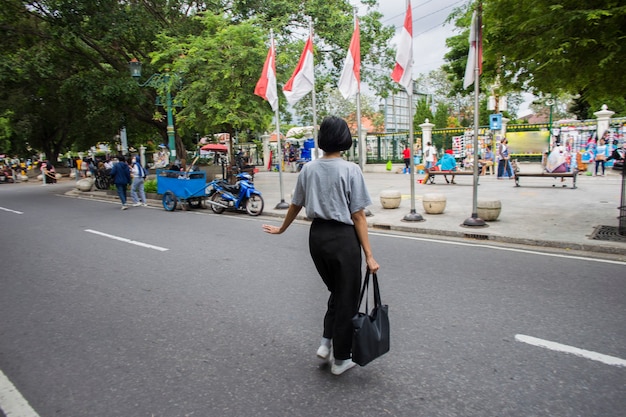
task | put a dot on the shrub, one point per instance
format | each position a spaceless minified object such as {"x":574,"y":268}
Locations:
{"x":150,"y":186}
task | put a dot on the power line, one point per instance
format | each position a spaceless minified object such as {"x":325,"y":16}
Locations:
{"x":401,"y":14}
{"x":430,"y":14}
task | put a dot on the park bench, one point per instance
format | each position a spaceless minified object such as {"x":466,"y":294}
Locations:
{"x":431,"y":174}
{"x":553,"y":175}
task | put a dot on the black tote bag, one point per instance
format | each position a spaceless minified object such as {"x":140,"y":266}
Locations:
{"x":371,"y":329}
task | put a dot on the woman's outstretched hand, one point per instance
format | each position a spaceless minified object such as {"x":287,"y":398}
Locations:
{"x":274,"y":230}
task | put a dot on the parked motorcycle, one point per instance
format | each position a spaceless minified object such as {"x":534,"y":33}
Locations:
{"x":240,"y":196}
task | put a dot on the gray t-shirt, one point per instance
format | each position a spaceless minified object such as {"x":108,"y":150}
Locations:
{"x":331,"y":189}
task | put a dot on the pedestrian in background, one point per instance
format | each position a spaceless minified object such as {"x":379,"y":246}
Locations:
{"x":406,"y":155}
{"x":601,"y":152}
{"x":447,"y":163}
{"x":429,"y":155}
{"x":138,"y":174}
{"x":334,"y":194}
{"x":84,"y":167}
{"x":504,"y":166}
{"x":121,"y":178}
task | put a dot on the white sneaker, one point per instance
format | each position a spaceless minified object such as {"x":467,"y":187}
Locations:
{"x":144,"y":204}
{"x":323,"y":352}
{"x":137,"y":204}
{"x":339,"y":367}
{"x":124,"y":207}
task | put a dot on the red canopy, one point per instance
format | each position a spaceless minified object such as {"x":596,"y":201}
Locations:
{"x":215,"y":147}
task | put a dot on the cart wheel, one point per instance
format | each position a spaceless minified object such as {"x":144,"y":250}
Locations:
{"x":169,"y":201}
{"x":217,"y":197}
{"x":254,"y":205}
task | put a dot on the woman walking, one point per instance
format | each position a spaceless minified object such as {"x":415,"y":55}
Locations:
{"x":334,"y":194}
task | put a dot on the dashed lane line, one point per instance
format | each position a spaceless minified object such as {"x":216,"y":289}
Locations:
{"x":558,"y":347}
{"x":12,"y":403}
{"x":11,"y":211}
{"x":125,"y":240}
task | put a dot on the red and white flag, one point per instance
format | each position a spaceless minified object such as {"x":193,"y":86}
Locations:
{"x":403,"y":71}
{"x":302,"y":79}
{"x":266,"y":86}
{"x":350,"y":81}
{"x":475,"y":49}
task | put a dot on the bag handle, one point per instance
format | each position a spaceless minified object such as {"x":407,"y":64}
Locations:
{"x":365,"y":292}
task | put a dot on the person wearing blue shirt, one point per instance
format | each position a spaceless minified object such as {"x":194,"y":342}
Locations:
{"x":447,"y":163}
{"x":121,"y":178}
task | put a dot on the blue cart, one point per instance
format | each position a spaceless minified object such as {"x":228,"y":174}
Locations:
{"x":187,"y":187}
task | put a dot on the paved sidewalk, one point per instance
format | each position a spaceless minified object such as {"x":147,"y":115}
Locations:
{"x":536,"y":214}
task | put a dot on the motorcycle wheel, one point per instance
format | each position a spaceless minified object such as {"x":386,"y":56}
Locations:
{"x":169,"y":201}
{"x":254,"y":205}
{"x":217,"y":197}
{"x":101,"y":183}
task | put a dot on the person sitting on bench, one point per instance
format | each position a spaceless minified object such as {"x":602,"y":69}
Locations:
{"x":447,"y":163}
{"x":486,"y":161}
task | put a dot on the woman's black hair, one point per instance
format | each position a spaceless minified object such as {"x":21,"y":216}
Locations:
{"x":334,"y":135}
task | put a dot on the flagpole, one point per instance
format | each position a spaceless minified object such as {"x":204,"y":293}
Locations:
{"x":282,"y":204}
{"x":413,"y":215}
{"x":316,"y":152}
{"x":359,"y":127}
{"x":474,"y":220}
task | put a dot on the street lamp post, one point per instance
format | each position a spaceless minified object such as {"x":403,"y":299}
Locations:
{"x":158,"y":81}
{"x":550,"y":102}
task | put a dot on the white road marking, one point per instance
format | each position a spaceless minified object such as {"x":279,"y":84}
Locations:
{"x":125,"y":240}
{"x":11,"y":211}
{"x":11,"y":401}
{"x":474,"y":245}
{"x":594,"y":356}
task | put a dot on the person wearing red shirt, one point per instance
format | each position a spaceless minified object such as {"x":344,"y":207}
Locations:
{"x":406,"y":154}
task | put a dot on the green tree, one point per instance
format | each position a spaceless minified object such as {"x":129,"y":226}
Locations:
{"x":441,"y":116}
{"x":542,"y":47}
{"x":570,"y":46}
{"x":64,"y":63}
{"x":60,"y":72}
{"x":422,"y":112}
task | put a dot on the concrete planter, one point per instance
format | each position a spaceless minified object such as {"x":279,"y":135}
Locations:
{"x":390,"y":199}
{"x":86,"y":184}
{"x":434,"y":203}
{"x":488,"y":210}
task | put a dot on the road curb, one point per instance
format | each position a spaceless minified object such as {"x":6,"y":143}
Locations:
{"x":473,"y":235}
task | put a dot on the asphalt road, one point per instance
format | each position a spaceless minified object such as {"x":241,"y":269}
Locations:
{"x":198,"y":314}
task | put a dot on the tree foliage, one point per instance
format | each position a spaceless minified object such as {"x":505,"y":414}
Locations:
{"x":422,"y":113}
{"x":570,"y":47}
{"x":64,"y":63}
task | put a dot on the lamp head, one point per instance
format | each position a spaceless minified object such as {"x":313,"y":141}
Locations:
{"x":135,"y":68}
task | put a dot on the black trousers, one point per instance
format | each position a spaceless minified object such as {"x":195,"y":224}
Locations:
{"x":336,"y":253}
